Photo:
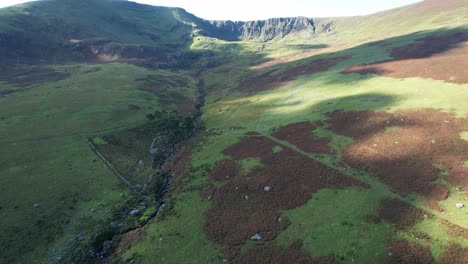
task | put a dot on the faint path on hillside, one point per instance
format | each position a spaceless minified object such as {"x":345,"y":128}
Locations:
{"x":374,"y":183}
{"x":71,"y":135}
{"x":108,"y":164}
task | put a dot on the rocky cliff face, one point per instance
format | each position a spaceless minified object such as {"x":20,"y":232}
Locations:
{"x":261,"y":30}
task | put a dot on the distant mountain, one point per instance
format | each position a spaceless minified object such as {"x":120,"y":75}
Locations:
{"x":56,"y":31}
{"x":89,"y":30}
{"x":262,"y":30}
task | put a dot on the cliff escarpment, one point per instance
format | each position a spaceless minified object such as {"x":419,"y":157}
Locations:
{"x":261,"y":30}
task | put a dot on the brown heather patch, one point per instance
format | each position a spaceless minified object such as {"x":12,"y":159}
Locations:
{"x":301,"y":135}
{"x":276,"y":255}
{"x":207,"y":191}
{"x":456,"y":230}
{"x":441,"y":57}
{"x":455,"y":254}
{"x":127,"y":240}
{"x":404,"y":158}
{"x":402,"y":252}
{"x":242,"y":208}
{"x":400,"y":214}
{"x":178,"y":164}
{"x":224,"y":169}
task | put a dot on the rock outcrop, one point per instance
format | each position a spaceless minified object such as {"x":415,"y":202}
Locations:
{"x":261,"y":30}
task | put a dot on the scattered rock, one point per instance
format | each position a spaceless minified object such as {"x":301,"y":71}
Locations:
{"x":36,"y":205}
{"x":267,"y":188}
{"x":133,"y":107}
{"x":135,"y":213}
{"x":141,"y":162}
{"x":154,"y":151}
{"x":122,"y":194}
{"x":256,"y":237}
{"x":116,"y":225}
{"x":459,"y":205}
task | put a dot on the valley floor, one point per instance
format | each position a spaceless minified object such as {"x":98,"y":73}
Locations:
{"x":350,"y":147}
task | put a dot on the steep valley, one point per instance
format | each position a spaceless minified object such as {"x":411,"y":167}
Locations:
{"x":132,"y":133}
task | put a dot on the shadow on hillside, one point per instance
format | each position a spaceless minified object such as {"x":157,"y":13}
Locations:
{"x":307,"y":46}
{"x":285,"y":106}
{"x":423,"y":44}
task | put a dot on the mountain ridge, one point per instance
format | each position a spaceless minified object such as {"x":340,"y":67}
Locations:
{"x":264,"y":30}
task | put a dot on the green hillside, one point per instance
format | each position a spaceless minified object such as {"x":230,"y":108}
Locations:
{"x":138,"y":134}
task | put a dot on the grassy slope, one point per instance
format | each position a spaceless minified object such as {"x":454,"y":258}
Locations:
{"x":43,"y":158}
{"x":227,"y":109}
{"x":33,"y":34}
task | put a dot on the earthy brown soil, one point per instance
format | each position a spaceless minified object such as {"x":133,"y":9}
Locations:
{"x":456,"y":230}
{"x":271,"y":79}
{"x":455,"y":254}
{"x":402,"y":252}
{"x":404,"y":158}
{"x":224,"y":169}
{"x":178,"y":164}
{"x":127,"y":240}
{"x":300,"y":135}
{"x":207,"y":191}
{"x":402,"y":215}
{"x":441,"y":57}
{"x":242,"y":208}
{"x":276,"y":255}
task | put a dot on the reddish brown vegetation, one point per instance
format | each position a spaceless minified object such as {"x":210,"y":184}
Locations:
{"x":207,"y":191}
{"x":300,"y":135}
{"x":224,"y":169}
{"x":402,"y":215}
{"x":177,"y":165}
{"x":441,"y":57}
{"x":455,"y":254}
{"x":127,"y":240}
{"x":456,"y":230}
{"x":276,"y":255}
{"x":270,"y":79}
{"x":404,"y":158}
{"x":402,"y":252}
{"x":241,"y":207}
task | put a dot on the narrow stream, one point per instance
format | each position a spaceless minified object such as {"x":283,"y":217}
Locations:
{"x":199,"y":104}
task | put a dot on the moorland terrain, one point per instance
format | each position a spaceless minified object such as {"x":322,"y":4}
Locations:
{"x":132,"y":133}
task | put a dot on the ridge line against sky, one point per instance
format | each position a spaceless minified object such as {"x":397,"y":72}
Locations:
{"x":263,"y":9}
